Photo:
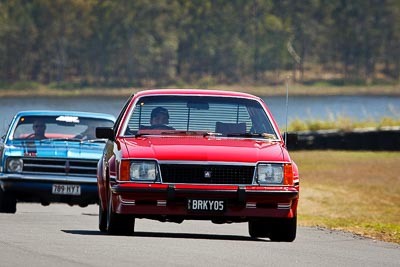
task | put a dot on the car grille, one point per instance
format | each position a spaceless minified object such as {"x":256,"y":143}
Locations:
{"x":207,"y":174}
{"x":75,"y":167}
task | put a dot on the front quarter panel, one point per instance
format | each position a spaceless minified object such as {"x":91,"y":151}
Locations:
{"x":107,"y":168}
{"x":103,"y":172}
{"x":101,"y":179}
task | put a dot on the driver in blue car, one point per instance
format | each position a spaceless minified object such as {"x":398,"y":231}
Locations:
{"x":39,"y":129}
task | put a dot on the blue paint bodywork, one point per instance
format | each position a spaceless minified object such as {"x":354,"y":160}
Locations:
{"x":30,"y":168}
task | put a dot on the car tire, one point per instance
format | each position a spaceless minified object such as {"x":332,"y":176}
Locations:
{"x":284,"y":230}
{"x":119,"y":224}
{"x":258,"y":228}
{"x":8,"y":203}
{"x":102,"y":219}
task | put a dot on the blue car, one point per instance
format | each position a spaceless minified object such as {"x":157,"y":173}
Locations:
{"x":51,"y":157}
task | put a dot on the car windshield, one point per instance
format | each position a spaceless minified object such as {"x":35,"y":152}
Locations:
{"x":57,"y":127}
{"x":205,"y":115}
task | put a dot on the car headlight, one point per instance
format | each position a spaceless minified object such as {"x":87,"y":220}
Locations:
{"x":139,"y":170}
{"x":274,"y":174}
{"x":269,"y":173}
{"x":15,"y":165}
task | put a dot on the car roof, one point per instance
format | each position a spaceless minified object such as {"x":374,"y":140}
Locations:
{"x":202,"y":92}
{"x":66,"y":113}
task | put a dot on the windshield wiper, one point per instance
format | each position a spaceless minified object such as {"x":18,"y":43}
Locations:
{"x":173,"y":132}
{"x":78,"y":140}
{"x":211,"y":134}
{"x":184,"y":133}
{"x":141,"y":134}
{"x":251,"y":135}
{"x":193,"y":133}
{"x":61,"y":139}
{"x":96,"y":140}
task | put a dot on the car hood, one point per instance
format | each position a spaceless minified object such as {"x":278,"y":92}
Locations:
{"x":58,"y":149}
{"x":204,"y":149}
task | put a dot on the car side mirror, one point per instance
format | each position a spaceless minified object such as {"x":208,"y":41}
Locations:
{"x":105,"y":132}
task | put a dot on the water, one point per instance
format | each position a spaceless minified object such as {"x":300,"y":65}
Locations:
{"x":300,"y":107}
{"x":332,"y":107}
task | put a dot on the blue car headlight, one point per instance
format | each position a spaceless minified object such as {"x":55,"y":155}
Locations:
{"x":15,"y":165}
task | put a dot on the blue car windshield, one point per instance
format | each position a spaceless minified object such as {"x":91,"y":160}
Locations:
{"x":57,"y":127}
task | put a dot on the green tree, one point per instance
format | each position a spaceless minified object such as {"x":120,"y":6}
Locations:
{"x":390,"y":39}
{"x":18,"y":34}
{"x":358,"y":36}
{"x":133,"y":42}
{"x":157,"y":43}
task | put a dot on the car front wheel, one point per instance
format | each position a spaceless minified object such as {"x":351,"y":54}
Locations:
{"x":102,"y":219}
{"x":284,"y":230}
{"x":8,"y":203}
{"x":258,"y":228}
{"x":119,"y":224}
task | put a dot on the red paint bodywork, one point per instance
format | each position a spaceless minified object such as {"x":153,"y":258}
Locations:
{"x":154,"y":200}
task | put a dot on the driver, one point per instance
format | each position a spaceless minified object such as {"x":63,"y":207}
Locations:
{"x":39,"y":129}
{"x":159,"y":118}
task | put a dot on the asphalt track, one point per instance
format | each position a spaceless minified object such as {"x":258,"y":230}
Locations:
{"x":60,"y":235}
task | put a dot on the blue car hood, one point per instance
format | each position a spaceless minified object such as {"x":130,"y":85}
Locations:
{"x":55,"y":149}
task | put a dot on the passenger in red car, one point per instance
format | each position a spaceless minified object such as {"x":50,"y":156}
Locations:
{"x":39,"y":128}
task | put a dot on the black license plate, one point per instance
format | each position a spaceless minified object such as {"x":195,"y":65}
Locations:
{"x":206,"y":205}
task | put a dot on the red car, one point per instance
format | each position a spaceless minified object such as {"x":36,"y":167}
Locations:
{"x":179,"y":154}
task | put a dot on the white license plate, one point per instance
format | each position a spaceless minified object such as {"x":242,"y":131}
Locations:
{"x":206,"y":205}
{"x":66,"y":189}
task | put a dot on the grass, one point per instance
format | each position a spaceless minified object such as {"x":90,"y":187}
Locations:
{"x":351,"y":191}
{"x":341,"y":123}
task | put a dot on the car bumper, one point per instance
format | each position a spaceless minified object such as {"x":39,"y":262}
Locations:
{"x":39,"y":188}
{"x":145,"y":200}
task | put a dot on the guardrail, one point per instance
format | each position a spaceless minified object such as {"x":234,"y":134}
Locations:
{"x":385,"y":139}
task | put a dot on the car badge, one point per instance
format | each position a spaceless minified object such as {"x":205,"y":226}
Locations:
{"x":207,"y":174}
